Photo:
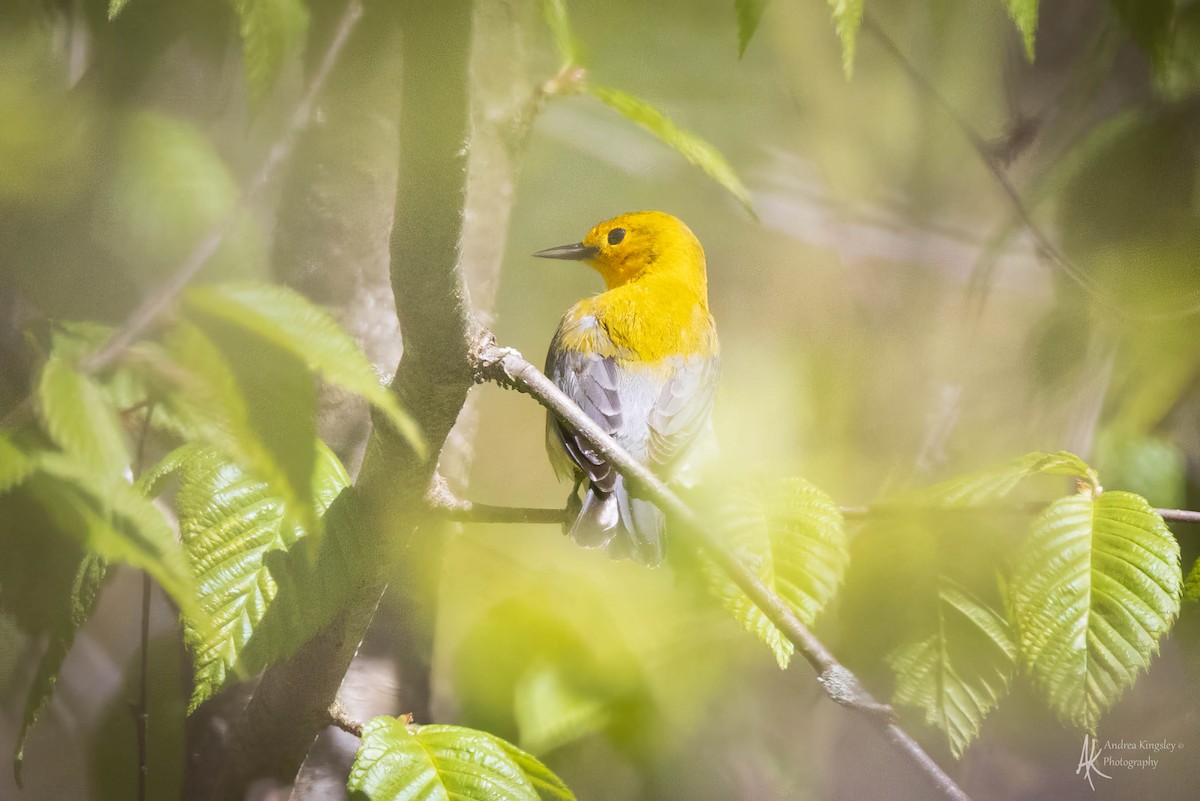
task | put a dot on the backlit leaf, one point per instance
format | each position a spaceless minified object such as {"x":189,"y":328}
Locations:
{"x":229,"y":521}
{"x":289,"y":320}
{"x":847,"y":18}
{"x":1096,"y":586}
{"x":958,"y":673}
{"x":270,"y":30}
{"x":397,"y":762}
{"x":14,"y":464}
{"x":1024,"y":14}
{"x":687,"y":144}
{"x":793,"y":536}
{"x":79,"y":419}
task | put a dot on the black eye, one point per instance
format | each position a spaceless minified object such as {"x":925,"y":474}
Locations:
{"x":615,"y":236}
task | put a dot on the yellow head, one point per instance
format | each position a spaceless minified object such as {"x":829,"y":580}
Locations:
{"x":638,"y":245}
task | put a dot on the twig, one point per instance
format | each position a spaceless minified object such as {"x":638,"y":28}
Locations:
{"x":988,"y":155}
{"x":340,"y":718}
{"x":154,"y":306}
{"x":448,"y":506}
{"x":507,"y":368}
{"x":142,"y":716}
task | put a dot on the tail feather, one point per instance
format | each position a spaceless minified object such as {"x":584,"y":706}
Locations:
{"x":624,"y":526}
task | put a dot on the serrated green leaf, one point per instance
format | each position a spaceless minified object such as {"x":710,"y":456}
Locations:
{"x":1024,"y":14}
{"x":1096,"y":586}
{"x":958,"y":674}
{"x":749,"y":13}
{"x":270,"y":31}
{"x":1151,"y":24}
{"x":1191,"y":587}
{"x":440,"y":763}
{"x":78,"y":418}
{"x":794,"y":537}
{"x":229,"y":522}
{"x":289,"y":320}
{"x":251,"y":398}
{"x":847,"y":18}
{"x":83,"y":594}
{"x":554,"y":12}
{"x":15,"y":466}
{"x":691,"y":147}
{"x":115,"y":7}
{"x":549,"y":787}
{"x":151,"y":482}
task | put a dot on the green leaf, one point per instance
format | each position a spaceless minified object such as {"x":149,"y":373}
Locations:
{"x":554,"y":12}
{"x":1151,"y":24}
{"x":288,"y":319}
{"x":78,"y":418}
{"x":270,"y":30}
{"x":1024,"y":14}
{"x":549,"y":787}
{"x":15,"y":466}
{"x":438,"y":763}
{"x":115,"y":7}
{"x":994,"y":483}
{"x":229,"y":521}
{"x":691,"y":147}
{"x":1096,"y":585}
{"x":1191,"y":587}
{"x":847,"y":18}
{"x":749,"y":13}
{"x":1151,"y":466}
{"x":553,"y":709}
{"x":794,"y":537}
{"x":958,"y":674}
{"x":115,"y":521}
{"x":251,"y":398}
{"x":81,"y":600}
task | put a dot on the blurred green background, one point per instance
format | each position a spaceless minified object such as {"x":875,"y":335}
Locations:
{"x":887,"y":321}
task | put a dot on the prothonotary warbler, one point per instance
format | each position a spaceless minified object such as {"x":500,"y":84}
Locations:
{"x":642,"y":360}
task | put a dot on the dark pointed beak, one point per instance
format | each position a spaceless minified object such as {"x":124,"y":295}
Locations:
{"x":576,"y":252}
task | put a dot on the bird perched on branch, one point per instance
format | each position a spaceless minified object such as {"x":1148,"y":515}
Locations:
{"x":642,"y":360}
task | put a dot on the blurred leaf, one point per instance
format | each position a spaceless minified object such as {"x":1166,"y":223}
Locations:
{"x":151,"y":481}
{"x":994,"y":483}
{"x":793,"y":537}
{"x":1191,"y":587}
{"x":1150,"y":466}
{"x":554,"y":12}
{"x":847,"y":17}
{"x":15,"y":466}
{"x":79,"y":419}
{"x":169,"y":188}
{"x":1129,"y":196}
{"x":1024,"y":14}
{"x":229,"y":521}
{"x":115,"y":7}
{"x":115,"y":521}
{"x":1150,"y":24}
{"x":959,"y":673}
{"x":1096,"y":585}
{"x":1180,"y":75}
{"x":81,"y":600}
{"x":250,"y":397}
{"x":749,"y":13}
{"x":438,"y":763}
{"x":291,"y":321}
{"x":551,"y":710}
{"x":270,"y":30}
{"x":691,"y":147}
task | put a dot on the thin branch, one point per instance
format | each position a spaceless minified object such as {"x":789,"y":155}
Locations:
{"x":157,"y":304}
{"x":988,"y":155}
{"x":340,"y":718}
{"x":507,"y":368}
{"x":442,"y":502}
{"x":142,"y":714}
